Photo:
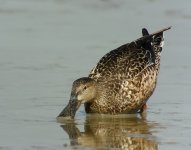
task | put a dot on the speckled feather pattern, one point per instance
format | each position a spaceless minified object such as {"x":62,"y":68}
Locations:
{"x":126,"y":76}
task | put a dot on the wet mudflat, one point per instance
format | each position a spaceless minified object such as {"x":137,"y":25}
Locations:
{"x":46,"y":44}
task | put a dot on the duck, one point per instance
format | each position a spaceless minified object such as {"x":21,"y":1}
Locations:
{"x":122,"y":81}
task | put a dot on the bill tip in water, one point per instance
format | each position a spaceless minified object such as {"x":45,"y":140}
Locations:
{"x":68,"y":113}
{"x":64,"y":118}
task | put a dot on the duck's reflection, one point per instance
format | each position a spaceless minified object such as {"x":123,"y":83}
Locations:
{"x":118,"y":132}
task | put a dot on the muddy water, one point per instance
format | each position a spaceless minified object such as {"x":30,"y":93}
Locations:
{"x":46,"y":44}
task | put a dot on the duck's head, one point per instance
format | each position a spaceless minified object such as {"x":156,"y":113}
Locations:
{"x":83,"y":90}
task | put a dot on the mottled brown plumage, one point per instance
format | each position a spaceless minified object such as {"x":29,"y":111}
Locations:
{"x":124,"y":78}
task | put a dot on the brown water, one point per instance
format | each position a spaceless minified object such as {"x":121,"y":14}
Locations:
{"x":46,"y":44}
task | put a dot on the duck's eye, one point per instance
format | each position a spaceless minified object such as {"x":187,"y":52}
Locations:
{"x":85,"y":87}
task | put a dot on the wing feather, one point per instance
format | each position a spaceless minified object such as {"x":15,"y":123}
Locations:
{"x":127,"y":61}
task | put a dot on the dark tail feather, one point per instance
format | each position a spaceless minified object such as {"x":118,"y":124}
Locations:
{"x":147,"y":44}
{"x":145,"y":32}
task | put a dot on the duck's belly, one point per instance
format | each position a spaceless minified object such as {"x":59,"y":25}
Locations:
{"x":130,"y":98}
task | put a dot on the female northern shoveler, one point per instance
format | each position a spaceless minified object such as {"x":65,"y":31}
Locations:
{"x":123,"y":79}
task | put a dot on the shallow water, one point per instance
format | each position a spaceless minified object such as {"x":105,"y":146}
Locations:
{"x":46,"y":44}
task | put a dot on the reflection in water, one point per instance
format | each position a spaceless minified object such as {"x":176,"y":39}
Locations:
{"x":118,"y":132}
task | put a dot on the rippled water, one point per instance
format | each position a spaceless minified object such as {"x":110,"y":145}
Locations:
{"x":46,"y":44}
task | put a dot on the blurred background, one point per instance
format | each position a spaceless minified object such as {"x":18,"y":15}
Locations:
{"x":46,"y":44}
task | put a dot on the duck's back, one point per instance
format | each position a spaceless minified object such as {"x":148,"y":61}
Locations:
{"x":127,"y":76}
{"x":123,"y":62}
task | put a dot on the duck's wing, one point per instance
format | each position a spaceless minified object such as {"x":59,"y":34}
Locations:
{"x":130,"y":59}
{"x":122,"y":62}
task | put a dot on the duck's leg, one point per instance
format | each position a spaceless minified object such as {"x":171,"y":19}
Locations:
{"x":143,"y":108}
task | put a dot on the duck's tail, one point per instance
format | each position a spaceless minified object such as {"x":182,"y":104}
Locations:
{"x":162,"y":30}
{"x":158,"y":39}
{"x":155,"y":38}
{"x":152,"y":42}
